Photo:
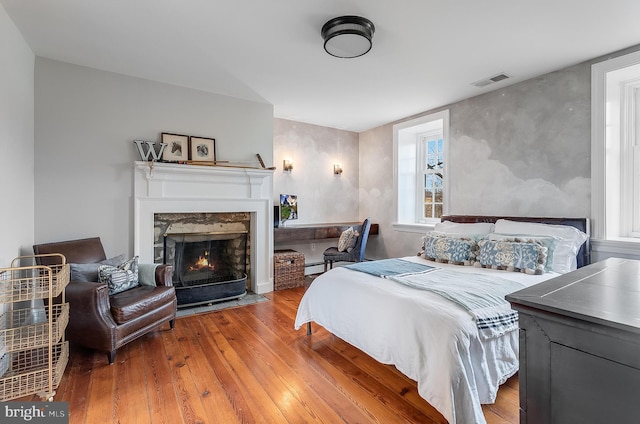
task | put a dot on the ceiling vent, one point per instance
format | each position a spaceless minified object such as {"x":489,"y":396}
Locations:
{"x":491,"y":80}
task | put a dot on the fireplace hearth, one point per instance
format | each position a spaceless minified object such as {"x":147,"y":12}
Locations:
{"x":208,"y":267}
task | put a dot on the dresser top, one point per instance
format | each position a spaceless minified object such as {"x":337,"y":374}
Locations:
{"x":606,"y":292}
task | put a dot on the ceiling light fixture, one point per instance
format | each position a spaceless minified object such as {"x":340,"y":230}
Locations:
{"x":347,"y":36}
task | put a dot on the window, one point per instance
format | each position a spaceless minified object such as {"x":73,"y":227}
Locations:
{"x":615,"y":150}
{"x":420,"y":147}
{"x":431,"y":154}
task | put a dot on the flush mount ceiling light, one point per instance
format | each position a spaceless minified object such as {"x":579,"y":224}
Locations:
{"x":347,"y":36}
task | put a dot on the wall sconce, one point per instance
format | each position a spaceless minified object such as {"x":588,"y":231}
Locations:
{"x":337,"y":169}
{"x":287,"y":166}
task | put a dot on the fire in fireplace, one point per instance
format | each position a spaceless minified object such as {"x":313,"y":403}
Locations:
{"x":208,"y":267}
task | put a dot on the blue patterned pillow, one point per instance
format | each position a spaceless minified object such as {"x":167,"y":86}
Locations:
{"x":512,"y":256}
{"x":449,"y":249}
{"x":119,"y":278}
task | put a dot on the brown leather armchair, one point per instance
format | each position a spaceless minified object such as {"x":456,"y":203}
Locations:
{"x":102,"y":322}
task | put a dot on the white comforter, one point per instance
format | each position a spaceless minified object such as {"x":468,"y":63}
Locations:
{"x":428,"y":338}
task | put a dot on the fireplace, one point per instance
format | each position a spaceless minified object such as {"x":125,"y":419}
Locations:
{"x":169,"y":188}
{"x":208,"y":267}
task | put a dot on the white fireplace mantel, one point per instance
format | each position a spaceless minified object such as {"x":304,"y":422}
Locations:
{"x":178,"y":188}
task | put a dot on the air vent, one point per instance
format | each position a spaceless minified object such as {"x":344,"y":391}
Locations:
{"x":491,"y":80}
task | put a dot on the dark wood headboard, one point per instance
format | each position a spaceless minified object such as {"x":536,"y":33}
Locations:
{"x":582,"y":224}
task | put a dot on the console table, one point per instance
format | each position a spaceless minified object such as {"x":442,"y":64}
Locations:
{"x":315,"y":232}
{"x":580,"y":345}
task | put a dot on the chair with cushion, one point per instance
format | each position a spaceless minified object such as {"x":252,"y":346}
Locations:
{"x":132,"y":300}
{"x":351,"y":245}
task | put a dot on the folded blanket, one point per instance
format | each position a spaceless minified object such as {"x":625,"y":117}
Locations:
{"x":390,"y":267}
{"x":483,"y":296}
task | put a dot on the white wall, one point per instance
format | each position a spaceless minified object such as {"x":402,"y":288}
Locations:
{"x":16,"y":141}
{"x":85,"y":124}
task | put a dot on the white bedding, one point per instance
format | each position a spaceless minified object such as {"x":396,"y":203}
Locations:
{"x":428,"y":338}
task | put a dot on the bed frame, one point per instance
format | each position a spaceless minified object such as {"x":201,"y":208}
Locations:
{"x":582,"y":224}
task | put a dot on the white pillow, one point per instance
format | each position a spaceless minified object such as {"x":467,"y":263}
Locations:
{"x":469,"y":229}
{"x":569,"y":240}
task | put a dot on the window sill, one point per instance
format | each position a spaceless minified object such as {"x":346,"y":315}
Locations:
{"x":619,"y":246}
{"x":413,"y":228}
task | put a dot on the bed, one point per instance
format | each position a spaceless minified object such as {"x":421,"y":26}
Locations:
{"x":432,"y":336}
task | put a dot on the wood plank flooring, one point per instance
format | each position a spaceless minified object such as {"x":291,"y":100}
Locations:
{"x":248,"y":365}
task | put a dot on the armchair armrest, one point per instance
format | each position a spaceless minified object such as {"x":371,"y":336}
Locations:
{"x":90,"y":317}
{"x":155,"y":275}
{"x":164,"y":275}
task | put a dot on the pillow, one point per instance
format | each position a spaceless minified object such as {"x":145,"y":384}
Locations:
{"x":352,"y":241}
{"x":548,"y":241}
{"x":570,"y":239}
{"x":511,"y":256}
{"x":147,"y":274}
{"x":474,"y":228}
{"x":345,"y":239}
{"x":119,"y":278}
{"x":89,"y":272}
{"x":453,"y":250}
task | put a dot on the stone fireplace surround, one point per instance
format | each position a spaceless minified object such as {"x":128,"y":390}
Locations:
{"x":179,"y":188}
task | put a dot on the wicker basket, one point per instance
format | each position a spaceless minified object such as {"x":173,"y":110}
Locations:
{"x":288,"y":269}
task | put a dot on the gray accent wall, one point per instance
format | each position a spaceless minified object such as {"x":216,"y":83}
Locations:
{"x":322,"y":196}
{"x":522,"y":149}
{"x":85,"y":123}
{"x":16,"y":142}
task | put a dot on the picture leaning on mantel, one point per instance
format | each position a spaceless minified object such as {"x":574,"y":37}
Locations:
{"x":177,"y":148}
{"x":202,"y":149}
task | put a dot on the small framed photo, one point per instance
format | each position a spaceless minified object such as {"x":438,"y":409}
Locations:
{"x":202,"y":149}
{"x":177,"y":147}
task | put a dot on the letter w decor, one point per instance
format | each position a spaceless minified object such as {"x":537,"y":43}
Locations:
{"x":150,"y":149}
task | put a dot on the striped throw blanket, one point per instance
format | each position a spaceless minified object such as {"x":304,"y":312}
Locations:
{"x":481,"y":295}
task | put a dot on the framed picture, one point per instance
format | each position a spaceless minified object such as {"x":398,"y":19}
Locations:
{"x":177,"y":148}
{"x":202,"y":149}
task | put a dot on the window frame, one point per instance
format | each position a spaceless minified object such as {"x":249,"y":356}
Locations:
{"x":405,"y":161}
{"x":615,"y":156}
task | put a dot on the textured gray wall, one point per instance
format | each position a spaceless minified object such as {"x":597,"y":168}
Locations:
{"x":521,"y":150}
{"x":322,"y":196}
{"x":524,"y":149}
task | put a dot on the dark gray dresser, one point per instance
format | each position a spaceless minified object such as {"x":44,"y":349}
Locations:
{"x":580,"y":346}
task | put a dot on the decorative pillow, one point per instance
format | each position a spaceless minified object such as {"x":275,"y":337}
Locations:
{"x":511,"y":256}
{"x":570,"y":240}
{"x":345,"y":239}
{"x":147,"y":274}
{"x":473,"y":228}
{"x":89,"y":272}
{"x":548,"y":241}
{"x":352,"y":241}
{"x":119,"y":278}
{"x":453,"y":250}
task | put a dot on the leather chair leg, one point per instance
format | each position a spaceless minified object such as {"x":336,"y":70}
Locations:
{"x":111,"y":355}
{"x":172,"y":323}
{"x":325,"y":265}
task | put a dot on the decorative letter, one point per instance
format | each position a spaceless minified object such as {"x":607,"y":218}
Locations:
{"x":150,"y":150}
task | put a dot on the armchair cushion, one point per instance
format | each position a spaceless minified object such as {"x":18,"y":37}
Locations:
{"x":131,"y":304}
{"x":89,"y":272}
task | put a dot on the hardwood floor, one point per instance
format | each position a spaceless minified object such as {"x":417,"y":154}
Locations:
{"x":248,"y":365}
